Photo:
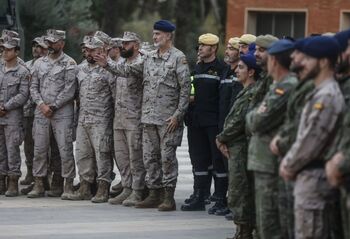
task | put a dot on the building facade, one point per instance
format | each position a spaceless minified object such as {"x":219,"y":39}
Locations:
{"x":295,"y":18}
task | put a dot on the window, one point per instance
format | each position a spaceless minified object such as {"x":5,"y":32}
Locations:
{"x":345,"y":20}
{"x":277,"y":23}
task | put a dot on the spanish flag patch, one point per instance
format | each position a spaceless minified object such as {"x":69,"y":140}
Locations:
{"x":279,"y":91}
{"x":318,"y":106}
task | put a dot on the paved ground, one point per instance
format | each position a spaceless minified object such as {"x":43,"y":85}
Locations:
{"x":53,"y":218}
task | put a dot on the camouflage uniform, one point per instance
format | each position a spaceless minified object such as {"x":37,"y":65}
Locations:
{"x":14,"y":85}
{"x":287,"y":134}
{"x":53,"y":83}
{"x":240,"y":191}
{"x":94,"y":135}
{"x":166,"y":82}
{"x":313,"y":194}
{"x":264,"y":125}
{"x":128,"y":130}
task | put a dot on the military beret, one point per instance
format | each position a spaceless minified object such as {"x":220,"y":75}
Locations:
{"x":342,"y":38}
{"x":208,"y":39}
{"x":300,"y":43}
{"x":280,"y":46}
{"x":40,"y":41}
{"x":93,"y":43}
{"x":250,"y":61}
{"x":53,"y":35}
{"x":164,"y":26}
{"x":11,"y":42}
{"x":103,"y":37}
{"x":265,"y":40}
{"x":247,"y":39}
{"x":234,"y":41}
{"x":322,"y":47}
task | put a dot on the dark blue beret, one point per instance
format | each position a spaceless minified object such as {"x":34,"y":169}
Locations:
{"x":300,"y":43}
{"x":250,"y":60}
{"x":322,"y":47}
{"x":280,"y":46}
{"x":164,"y":26}
{"x":342,"y":38}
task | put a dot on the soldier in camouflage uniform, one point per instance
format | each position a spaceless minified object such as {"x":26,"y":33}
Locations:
{"x":8,"y":33}
{"x":166,"y":94}
{"x":52,"y":90}
{"x":94,"y":136}
{"x":39,"y":49}
{"x":127,"y":126}
{"x":286,"y":137}
{"x":233,"y":143}
{"x":14,"y":92}
{"x":264,"y":122}
{"x":337,"y":168}
{"x":304,"y":162}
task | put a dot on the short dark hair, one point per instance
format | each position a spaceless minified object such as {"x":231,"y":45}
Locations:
{"x":283,"y":58}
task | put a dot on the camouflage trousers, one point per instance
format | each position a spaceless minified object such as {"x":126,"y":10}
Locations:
{"x":128,"y":154}
{"x":266,"y":204}
{"x":159,"y":155}
{"x":241,"y":187}
{"x":94,"y":151}
{"x":11,"y":137}
{"x":286,"y":208}
{"x":28,"y":140}
{"x":62,"y":131}
{"x":315,"y":207}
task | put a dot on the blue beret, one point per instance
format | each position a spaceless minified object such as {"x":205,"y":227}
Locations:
{"x":251,"y":48}
{"x":322,"y":47}
{"x":164,"y":26}
{"x":300,"y":43}
{"x":342,"y":38}
{"x":250,"y":61}
{"x":280,"y":46}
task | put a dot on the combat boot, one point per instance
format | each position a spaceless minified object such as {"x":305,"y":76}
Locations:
{"x":83,"y":193}
{"x":102,"y":192}
{"x":152,"y":200}
{"x":38,"y":189}
{"x":56,"y":188}
{"x":121,"y":197}
{"x":116,"y":190}
{"x":220,"y":205}
{"x":68,"y":188}
{"x":28,"y":179}
{"x":27,"y":189}
{"x":169,"y":201}
{"x":12,"y":189}
{"x":135,"y":197}
{"x":197,"y":203}
{"x":2,"y":184}
{"x":243,"y":231}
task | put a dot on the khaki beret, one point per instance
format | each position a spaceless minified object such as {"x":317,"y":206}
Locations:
{"x":265,"y":40}
{"x":208,"y":39}
{"x":247,"y":39}
{"x":234,"y":42}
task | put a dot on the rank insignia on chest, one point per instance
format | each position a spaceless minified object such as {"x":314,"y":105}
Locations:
{"x":318,"y":106}
{"x":279,"y":91}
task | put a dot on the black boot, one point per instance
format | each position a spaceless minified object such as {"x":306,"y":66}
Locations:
{"x":197,"y":204}
{"x":220,"y":204}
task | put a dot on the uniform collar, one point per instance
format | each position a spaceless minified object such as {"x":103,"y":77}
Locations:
{"x":164,"y":56}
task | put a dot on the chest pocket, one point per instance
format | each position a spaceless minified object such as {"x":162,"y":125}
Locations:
{"x":97,"y":83}
{"x":13,"y":86}
{"x":57,"y":74}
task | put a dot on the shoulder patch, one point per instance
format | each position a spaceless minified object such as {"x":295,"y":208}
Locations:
{"x":318,"y":106}
{"x":184,"y":61}
{"x":279,"y":91}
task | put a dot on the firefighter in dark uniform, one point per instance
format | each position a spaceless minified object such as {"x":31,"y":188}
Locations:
{"x":208,"y":74}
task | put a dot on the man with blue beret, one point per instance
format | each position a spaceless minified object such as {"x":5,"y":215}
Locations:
{"x":304,"y":162}
{"x":233,"y":143}
{"x":338,"y":165}
{"x":166,"y":93}
{"x":264,"y":122}
{"x":286,"y":136}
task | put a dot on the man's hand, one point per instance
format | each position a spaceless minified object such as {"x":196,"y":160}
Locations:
{"x":172,"y":124}
{"x":273,"y":145}
{"x":284,"y":173}
{"x":262,"y":108}
{"x":334,"y":176}
{"x":223,"y":148}
{"x":101,"y":59}
{"x":45,"y":109}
